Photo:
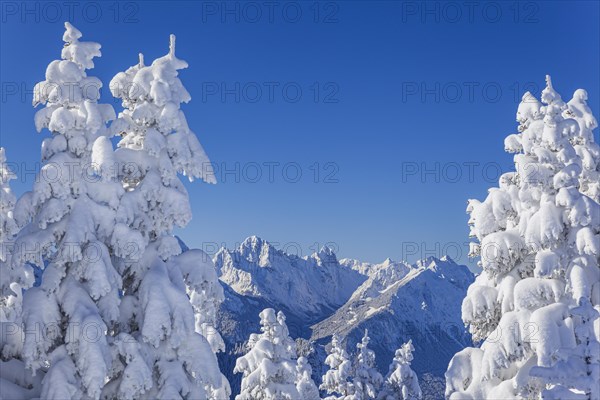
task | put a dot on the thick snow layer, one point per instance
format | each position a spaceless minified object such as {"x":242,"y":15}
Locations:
{"x":535,"y":305}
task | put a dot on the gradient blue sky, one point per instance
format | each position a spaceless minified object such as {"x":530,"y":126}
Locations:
{"x":386,"y":74}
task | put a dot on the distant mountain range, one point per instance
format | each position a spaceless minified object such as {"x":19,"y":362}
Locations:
{"x":322,"y":295}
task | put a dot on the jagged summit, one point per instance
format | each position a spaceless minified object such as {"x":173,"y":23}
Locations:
{"x":255,"y":248}
{"x":325,"y":256}
{"x":253,"y":242}
{"x":431,"y":261}
{"x":307,"y":285}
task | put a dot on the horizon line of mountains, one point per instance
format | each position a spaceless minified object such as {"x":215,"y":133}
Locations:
{"x":322,"y":295}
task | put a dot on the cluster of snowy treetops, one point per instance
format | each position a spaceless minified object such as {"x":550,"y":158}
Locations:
{"x":98,"y":299}
{"x":535,"y":306}
{"x":272,"y":369}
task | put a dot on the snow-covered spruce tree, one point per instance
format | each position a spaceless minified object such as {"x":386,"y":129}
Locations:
{"x":336,"y":381}
{"x":156,"y":145}
{"x":67,"y":220}
{"x":401,"y":382}
{"x":367,"y":380}
{"x":535,"y":304}
{"x":269,"y":369}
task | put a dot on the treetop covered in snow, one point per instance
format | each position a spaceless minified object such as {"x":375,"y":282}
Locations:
{"x":152,"y":119}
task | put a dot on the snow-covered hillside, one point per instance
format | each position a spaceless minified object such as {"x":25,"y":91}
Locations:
{"x":322,"y":295}
{"x":399,"y":302}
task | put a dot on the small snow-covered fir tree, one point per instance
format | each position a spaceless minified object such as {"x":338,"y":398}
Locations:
{"x":10,"y":278}
{"x":8,"y":227}
{"x":367,"y":380}
{"x":206,"y":295}
{"x":304,"y":384}
{"x":269,"y":370}
{"x":287,"y":341}
{"x":67,"y":221}
{"x":16,"y":382}
{"x":535,"y":304}
{"x":177,"y":338}
{"x":336,"y":381}
{"x":401,"y":382}
{"x":10,"y":290}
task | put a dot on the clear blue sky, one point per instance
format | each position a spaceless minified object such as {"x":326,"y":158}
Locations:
{"x":388,"y":89}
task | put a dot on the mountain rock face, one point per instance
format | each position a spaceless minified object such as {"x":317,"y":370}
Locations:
{"x":322,"y":295}
{"x":309,"y":287}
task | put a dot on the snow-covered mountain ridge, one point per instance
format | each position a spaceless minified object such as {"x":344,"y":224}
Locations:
{"x":398,"y":302}
{"x":308,"y":286}
{"x":322,"y":295}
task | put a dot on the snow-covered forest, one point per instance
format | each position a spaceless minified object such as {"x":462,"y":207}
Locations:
{"x":100,"y":299}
